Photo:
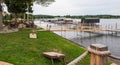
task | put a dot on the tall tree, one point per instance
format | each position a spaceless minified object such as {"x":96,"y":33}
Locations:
{"x":16,"y":6}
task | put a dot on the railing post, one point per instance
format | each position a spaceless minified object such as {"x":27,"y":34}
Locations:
{"x":98,"y":54}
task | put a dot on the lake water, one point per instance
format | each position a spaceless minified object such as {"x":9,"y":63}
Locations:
{"x":85,"y":39}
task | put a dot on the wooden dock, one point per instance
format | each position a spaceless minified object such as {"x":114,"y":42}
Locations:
{"x":83,"y":30}
{"x":94,"y":31}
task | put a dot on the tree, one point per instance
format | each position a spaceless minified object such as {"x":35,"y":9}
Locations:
{"x":1,"y":20}
{"x":29,"y":8}
{"x":15,"y":7}
{"x":44,"y":2}
{"x":20,"y":6}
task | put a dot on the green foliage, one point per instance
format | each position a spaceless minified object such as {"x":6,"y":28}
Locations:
{"x":44,"y":2}
{"x":78,"y":17}
{"x":19,"y":7}
{"x":83,"y":61}
{"x":29,"y":4}
{"x":16,"y":6}
{"x":93,"y":16}
{"x":42,"y":16}
{"x":19,"y":49}
{"x":5,"y":22}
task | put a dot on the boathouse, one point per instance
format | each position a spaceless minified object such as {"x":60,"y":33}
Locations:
{"x":90,"y":22}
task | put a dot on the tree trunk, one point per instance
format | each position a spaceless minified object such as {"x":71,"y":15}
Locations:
{"x":24,"y":17}
{"x":28,"y":12}
{"x":1,"y":17}
{"x":15,"y":16}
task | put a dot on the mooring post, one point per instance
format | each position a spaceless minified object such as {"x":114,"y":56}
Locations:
{"x":98,"y":54}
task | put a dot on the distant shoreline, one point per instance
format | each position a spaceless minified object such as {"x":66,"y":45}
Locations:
{"x":79,"y":16}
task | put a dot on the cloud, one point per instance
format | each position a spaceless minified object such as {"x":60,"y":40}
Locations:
{"x":79,"y":7}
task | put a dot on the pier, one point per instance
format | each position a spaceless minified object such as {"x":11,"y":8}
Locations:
{"x":86,"y":25}
{"x":88,"y":30}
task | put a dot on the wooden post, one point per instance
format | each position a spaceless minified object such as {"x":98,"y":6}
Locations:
{"x":99,"y":54}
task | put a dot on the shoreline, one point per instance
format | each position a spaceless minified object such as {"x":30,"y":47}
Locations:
{"x":110,"y":59}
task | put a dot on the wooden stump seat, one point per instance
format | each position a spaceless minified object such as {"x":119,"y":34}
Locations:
{"x":54,"y":55}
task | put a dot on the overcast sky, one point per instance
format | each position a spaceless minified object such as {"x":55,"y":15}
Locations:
{"x":79,"y":7}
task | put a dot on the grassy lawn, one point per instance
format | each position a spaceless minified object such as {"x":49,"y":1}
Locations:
{"x":19,"y":49}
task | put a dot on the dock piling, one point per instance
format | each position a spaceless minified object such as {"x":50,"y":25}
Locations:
{"x":98,"y":54}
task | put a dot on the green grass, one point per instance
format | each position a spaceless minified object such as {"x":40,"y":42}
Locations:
{"x":19,"y":49}
{"x":85,"y":61}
